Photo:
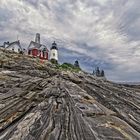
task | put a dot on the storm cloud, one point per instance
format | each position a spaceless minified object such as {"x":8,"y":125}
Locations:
{"x":103,"y":33}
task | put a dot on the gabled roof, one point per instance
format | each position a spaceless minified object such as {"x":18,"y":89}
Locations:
{"x":14,"y":43}
{"x":37,"y":46}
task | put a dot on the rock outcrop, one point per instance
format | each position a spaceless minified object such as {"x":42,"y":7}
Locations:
{"x":40,"y":102}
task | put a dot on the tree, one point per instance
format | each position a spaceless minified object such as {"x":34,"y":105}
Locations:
{"x":97,"y":72}
{"x":93,"y":72}
{"x":102,"y":73}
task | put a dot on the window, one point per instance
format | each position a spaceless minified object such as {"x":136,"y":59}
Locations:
{"x":53,"y":54}
{"x":29,"y":52}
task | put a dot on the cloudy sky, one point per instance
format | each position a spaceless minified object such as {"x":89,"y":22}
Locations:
{"x":103,"y":33}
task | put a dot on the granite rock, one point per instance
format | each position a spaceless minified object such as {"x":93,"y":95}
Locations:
{"x":40,"y":102}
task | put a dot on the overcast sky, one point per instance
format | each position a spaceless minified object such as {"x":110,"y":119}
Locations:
{"x":103,"y":33}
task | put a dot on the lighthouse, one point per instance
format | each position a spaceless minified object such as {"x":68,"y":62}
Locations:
{"x":54,"y":53}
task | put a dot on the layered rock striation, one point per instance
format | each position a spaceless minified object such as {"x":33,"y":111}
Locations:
{"x":40,"y":102}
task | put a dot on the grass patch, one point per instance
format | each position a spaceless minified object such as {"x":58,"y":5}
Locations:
{"x":68,"y":66}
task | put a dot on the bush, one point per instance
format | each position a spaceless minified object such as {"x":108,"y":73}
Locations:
{"x":68,"y":66}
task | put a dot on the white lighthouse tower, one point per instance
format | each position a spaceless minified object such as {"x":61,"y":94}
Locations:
{"x":54,"y":53}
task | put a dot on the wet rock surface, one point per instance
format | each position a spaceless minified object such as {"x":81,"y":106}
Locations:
{"x":40,"y":102}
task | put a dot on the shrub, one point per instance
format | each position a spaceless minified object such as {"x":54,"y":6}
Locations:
{"x":68,"y":66}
